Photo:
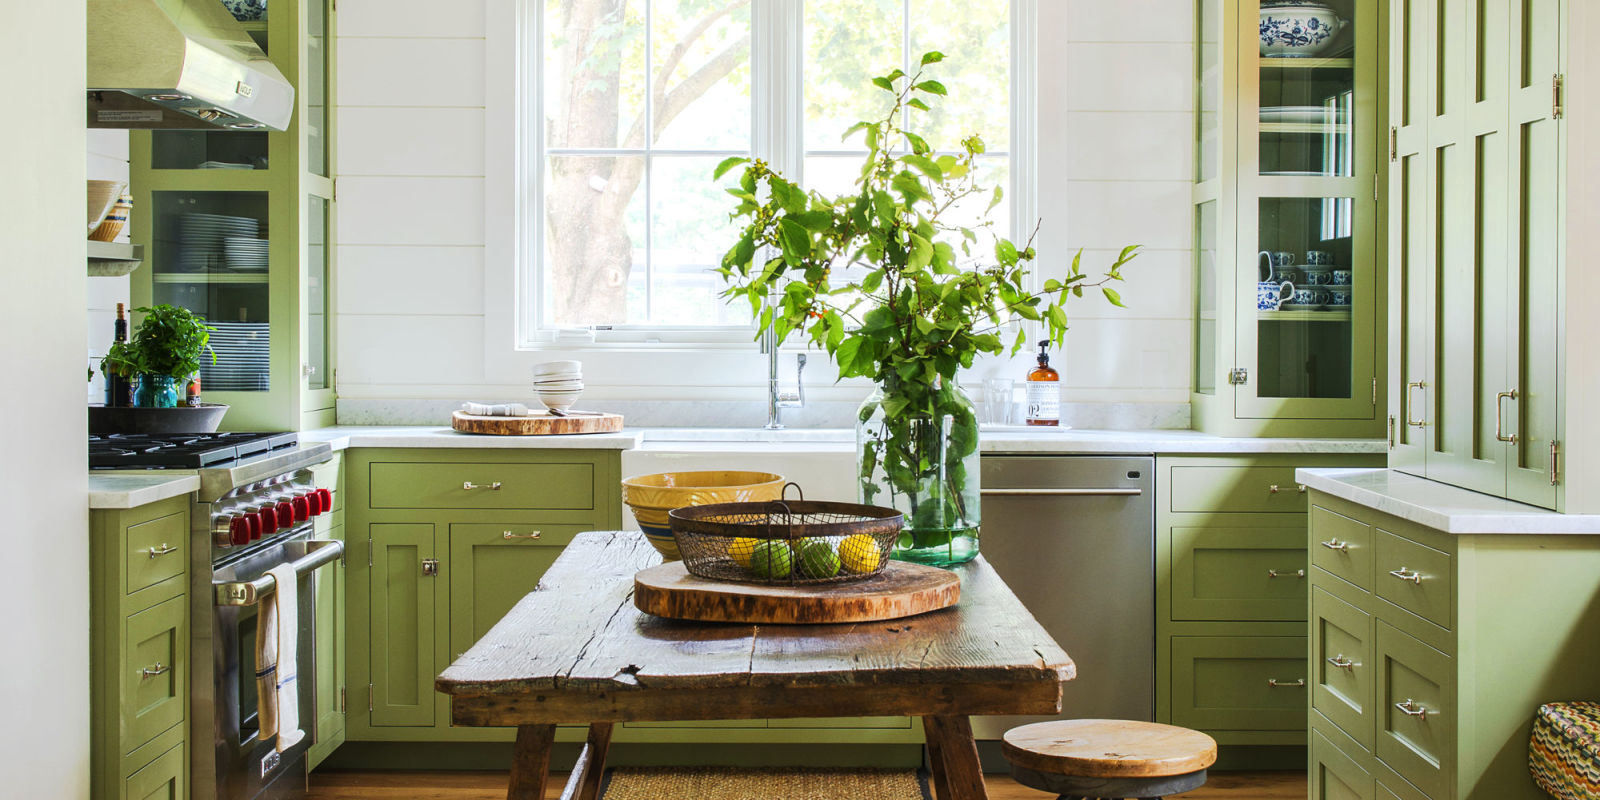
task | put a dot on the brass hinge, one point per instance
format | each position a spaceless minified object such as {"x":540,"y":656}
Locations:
{"x":369,"y":551}
{"x":1374,"y":391}
{"x":430,"y":567}
{"x":1238,"y":376}
{"x":1394,"y":144}
{"x":335,"y":190}
{"x":341,"y":699}
{"x":1555,"y":462}
{"x":369,"y":698}
{"x":1375,"y":195}
{"x":1558,"y":108}
{"x":1391,"y":431}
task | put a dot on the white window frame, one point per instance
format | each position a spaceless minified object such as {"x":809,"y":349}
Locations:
{"x":514,"y":132}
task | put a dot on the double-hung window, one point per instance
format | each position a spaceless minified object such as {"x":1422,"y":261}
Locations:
{"x":640,"y":99}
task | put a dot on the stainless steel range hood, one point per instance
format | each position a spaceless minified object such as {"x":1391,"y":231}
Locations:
{"x":174,"y":64}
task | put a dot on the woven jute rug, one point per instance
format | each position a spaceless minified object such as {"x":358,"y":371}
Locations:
{"x":734,"y":783}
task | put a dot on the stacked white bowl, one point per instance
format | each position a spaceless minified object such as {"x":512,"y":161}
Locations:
{"x":558,"y":384}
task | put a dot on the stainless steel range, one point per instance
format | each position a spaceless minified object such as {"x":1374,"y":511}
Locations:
{"x":255,"y":510}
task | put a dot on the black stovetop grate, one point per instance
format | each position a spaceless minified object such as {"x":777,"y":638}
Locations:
{"x":180,"y":450}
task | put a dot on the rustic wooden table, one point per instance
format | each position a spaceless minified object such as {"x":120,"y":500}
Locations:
{"x":576,"y":651}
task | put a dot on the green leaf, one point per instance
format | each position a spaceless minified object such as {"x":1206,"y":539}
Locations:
{"x":883,"y":83}
{"x":795,"y":241}
{"x":791,"y":197}
{"x":924,"y":165}
{"x":916,"y":102}
{"x":1005,"y":252}
{"x":1057,"y":317}
{"x":932,"y":87}
{"x":871,"y":281}
{"x":921,"y":253}
{"x":1112,"y":296}
{"x":896,"y":75}
{"x":907,"y":184}
{"x":727,"y":164}
{"x":919,"y":145}
{"x":995,"y":199}
{"x":932,"y":57}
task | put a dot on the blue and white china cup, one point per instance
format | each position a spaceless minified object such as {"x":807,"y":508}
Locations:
{"x":1342,"y":277}
{"x":1271,"y":295}
{"x":1311,"y":296}
{"x":1275,"y":260}
{"x":1338,"y":296}
{"x":1319,"y":258}
{"x":1315,"y":276}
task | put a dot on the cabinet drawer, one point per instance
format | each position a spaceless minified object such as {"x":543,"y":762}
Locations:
{"x":1238,"y":573}
{"x":1415,"y":710}
{"x":157,"y":550}
{"x":1335,"y":775}
{"x":1244,"y":489}
{"x":844,"y":723}
{"x":1341,"y":663}
{"x":528,"y":486}
{"x":154,"y":671}
{"x":1342,"y":546}
{"x":1239,"y":682}
{"x":1414,"y":577}
{"x":161,"y":779}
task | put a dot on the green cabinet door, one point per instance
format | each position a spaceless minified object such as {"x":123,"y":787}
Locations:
{"x":1335,"y":775}
{"x":403,"y":584}
{"x":155,"y":671}
{"x":1238,"y":573}
{"x":328,"y":732}
{"x":1411,"y":200}
{"x":492,"y":566}
{"x":1239,"y":683}
{"x":162,"y":779}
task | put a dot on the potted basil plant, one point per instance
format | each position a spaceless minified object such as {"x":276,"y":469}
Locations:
{"x":165,"y":352}
{"x":894,"y":290}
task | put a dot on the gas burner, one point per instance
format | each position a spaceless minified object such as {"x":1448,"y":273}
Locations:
{"x":180,"y":450}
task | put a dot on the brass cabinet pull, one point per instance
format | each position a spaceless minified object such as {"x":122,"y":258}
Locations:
{"x":1412,"y":708}
{"x":1335,"y":544}
{"x":1407,"y":575}
{"x":1299,"y":573}
{"x":161,"y":550}
{"x":510,"y":535}
{"x":430,"y":567}
{"x":1499,"y":416}
{"x":1415,"y":423}
{"x":151,"y":672}
{"x":1301,"y":488}
{"x":1277,"y":684}
{"x":469,"y":486}
{"x":1341,"y":662}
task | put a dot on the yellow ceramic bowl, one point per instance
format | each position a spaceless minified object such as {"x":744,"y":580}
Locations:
{"x":650,"y":497}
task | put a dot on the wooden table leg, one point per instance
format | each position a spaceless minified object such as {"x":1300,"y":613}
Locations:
{"x":590,"y":766}
{"x":530,"y":762}
{"x":953,"y":758}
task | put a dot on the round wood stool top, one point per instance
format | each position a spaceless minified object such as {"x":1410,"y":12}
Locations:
{"x":1109,"y":748}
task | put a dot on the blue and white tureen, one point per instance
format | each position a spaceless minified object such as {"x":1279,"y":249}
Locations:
{"x":1297,"y":29}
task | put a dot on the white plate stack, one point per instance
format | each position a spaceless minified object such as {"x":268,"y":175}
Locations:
{"x":243,"y":353}
{"x":558,"y":384}
{"x":197,"y":239}
{"x":244,"y":254}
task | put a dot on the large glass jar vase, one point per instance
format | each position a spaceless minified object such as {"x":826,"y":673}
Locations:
{"x":917,"y":452}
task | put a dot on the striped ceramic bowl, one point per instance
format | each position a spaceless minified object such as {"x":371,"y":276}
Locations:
{"x":650,"y":497}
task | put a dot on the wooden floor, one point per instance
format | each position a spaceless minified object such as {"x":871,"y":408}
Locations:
{"x":492,"y":786}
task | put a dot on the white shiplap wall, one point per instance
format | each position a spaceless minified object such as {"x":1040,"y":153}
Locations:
{"x":1116,"y":129}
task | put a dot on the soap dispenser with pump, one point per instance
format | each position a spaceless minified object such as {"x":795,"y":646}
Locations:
{"x":1044,"y":391}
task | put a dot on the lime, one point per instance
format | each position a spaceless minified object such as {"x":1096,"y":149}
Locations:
{"x":859,"y":553}
{"x":741,"y":549}
{"x":817,"y":560}
{"x":771,"y":559}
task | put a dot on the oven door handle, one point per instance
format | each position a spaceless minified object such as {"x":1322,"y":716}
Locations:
{"x":247,"y":593}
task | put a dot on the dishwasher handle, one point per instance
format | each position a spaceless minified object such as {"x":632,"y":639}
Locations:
{"x":1130,"y":491}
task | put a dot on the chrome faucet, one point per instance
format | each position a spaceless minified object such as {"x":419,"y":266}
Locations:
{"x":776,"y":397}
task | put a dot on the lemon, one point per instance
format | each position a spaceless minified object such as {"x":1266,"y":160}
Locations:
{"x":859,"y":553}
{"x":741,"y":549}
{"x":771,"y":559}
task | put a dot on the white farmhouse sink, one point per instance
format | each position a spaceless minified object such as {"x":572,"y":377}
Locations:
{"x":783,"y":435}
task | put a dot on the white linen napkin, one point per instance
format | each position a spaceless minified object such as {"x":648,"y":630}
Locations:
{"x":277,"y":631}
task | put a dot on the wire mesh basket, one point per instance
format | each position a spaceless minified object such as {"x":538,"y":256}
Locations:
{"x":785,"y":542}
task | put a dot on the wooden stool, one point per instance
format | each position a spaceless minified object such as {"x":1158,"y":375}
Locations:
{"x":1109,"y":759}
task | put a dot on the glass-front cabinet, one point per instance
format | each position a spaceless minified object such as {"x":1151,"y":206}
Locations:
{"x":239,"y":231}
{"x":1288,"y":295}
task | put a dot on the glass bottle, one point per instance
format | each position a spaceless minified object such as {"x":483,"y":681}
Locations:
{"x":1044,"y":391}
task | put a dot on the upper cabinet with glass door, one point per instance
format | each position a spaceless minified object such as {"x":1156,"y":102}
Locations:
{"x":1288,"y":291}
{"x":238,"y":232}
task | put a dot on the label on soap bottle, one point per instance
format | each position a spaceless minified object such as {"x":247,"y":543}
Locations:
{"x":1044,"y":402}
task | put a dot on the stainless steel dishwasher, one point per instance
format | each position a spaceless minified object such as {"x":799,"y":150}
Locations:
{"x":1074,"y":537}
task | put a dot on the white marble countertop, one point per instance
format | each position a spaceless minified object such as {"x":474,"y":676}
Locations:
{"x":131,"y":489}
{"x":347,"y":436}
{"x":1440,"y":506}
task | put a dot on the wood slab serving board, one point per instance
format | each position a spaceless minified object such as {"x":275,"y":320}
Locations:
{"x":542,"y":424}
{"x":901,"y":590}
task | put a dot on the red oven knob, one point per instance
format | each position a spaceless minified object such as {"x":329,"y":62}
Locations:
{"x":302,"y":508}
{"x":253,"y":521}
{"x":269,"y":521}
{"x":238,"y":531}
{"x":327,"y":499}
{"x":314,"y":503}
{"x":285,"y":514}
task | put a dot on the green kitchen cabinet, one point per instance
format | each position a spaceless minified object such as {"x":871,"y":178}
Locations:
{"x":1231,"y":569}
{"x":1429,"y":652}
{"x":1288,"y":163}
{"x":404,"y":571}
{"x":1484,"y":309}
{"x":327,"y":731}
{"x":493,"y":566}
{"x":237,"y":226}
{"x":139,"y":650}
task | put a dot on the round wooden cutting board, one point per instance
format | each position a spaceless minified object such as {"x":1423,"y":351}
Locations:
{"x":542,"y":424}
{"x":901,"y":590}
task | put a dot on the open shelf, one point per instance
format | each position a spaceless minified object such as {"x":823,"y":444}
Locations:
{"x":1304,"y":316}
{"x":1336,"y":129}
{"x":114,"y":259}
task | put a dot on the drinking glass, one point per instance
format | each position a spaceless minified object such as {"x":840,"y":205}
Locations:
{"x":998,"y":401}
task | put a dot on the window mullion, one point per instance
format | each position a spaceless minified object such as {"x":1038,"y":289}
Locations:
{"x":777,"y":56}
